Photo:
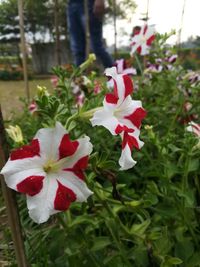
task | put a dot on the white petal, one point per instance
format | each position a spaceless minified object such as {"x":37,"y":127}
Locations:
{"x":150,"y":32}
{"x":136,"y":134}
{"x":120,"y":65}
{"x":105,"y":118}
{"x":112,"y":72}
{"x":78,"y":186}
{"x":84,"y":149}
{"x":110,"y":84}
{"x":49,"y":139}
{"x":13,"y":166}
{"x":41,"y":206}
{"x":128,"y":106}
{"x":144,"y":50}
{"x":13,"y":179}
{"x":130,"y":71}
{"x":126,"y":161}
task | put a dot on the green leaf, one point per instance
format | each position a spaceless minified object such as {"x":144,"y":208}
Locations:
{"x":100,"y":243}
{"x":139,"y":229}
{"x":193,"y":165}
{"x":174,"y":260}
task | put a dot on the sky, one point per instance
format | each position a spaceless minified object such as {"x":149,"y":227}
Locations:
{"x":165,"y":14}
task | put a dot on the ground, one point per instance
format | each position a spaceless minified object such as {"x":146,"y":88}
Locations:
{"x":12,"y":91}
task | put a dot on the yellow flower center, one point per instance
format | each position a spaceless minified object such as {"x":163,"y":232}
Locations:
{"x":53,"y":165}
{"x":143,"y":39}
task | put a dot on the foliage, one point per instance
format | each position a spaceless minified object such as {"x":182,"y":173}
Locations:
{"x":147,"y":216}
{"x":38,"y":17}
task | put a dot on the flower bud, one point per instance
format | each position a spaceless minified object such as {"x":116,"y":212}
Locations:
{"x":15,"y":133}
{"x":88,"y":62}
{"x":42,"y":91}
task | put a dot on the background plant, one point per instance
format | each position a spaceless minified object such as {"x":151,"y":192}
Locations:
{"x":146,"y":216}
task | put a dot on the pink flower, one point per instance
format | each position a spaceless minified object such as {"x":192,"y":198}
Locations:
{"x":49,"y":171}
{"x":194,"y":128}
{"x":32,"y":107}
{"x":54,"y":81}
{"x":122,"y":69}
{"x":97,"y":87}
{"x":194,"y":78}
{"x":171,"y":59}
{"x":143,"y":39}
{"x":154,"y":67}
{"x":121,"y":116}
{"x":80,"y":98}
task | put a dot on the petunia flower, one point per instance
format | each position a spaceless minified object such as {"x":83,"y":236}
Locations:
{"x":142,"y":40}
{"x":49,"y":171}
{"x":79,"y":99}
{"x":121,"y":69}
{"x":54,"y":81}
{"x":97,"y":87}
{"x":155,"y":68}
{"x":121,"y":116}
{"x":32,"y":107}
{"x":194,"y":128}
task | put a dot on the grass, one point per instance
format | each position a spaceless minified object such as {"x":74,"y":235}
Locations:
{"x":12,"y":91}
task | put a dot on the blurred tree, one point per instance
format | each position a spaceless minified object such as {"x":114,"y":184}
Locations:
{"x":122,"y":8}
{"x":38,"y":17}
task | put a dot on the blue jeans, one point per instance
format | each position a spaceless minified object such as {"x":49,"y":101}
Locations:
{"x":76,"y":21}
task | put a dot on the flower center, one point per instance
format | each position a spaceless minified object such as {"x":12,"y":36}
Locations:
{"x":143,"y":39}
{"x":51,"y":166}
{"x":54,"y":165}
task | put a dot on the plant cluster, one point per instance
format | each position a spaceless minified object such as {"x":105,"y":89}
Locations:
{"x":144,"y":216}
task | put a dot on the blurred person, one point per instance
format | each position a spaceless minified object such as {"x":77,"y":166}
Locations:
{"x":76,"y":19}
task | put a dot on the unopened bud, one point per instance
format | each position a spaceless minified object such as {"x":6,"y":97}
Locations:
{"x":15,"y":133}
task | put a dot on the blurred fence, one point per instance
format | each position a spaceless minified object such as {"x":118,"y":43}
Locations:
{"x":43,"y":56}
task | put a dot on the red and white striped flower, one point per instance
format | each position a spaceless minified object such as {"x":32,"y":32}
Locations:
{"x":142,"y":40}
{"x":32,"y":107}
{"x":49,"y":171}
{"x":194,"y":128}
{"x":121,"y":116}
{"x":122,"y":69}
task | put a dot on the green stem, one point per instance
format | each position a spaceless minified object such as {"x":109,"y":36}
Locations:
{"x":139,"y":64}
{"x":70,"y":119}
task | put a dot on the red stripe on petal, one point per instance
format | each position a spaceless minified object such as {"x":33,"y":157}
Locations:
{"x":64,"y":197}
{"x":119,"y":129}
{"x":67,"y":147}
{"x":27,"y":151}
{"x":145,"y":29}
{"x":130,"y":140}
{"x":115,"y":89}
{"x":81,"y":164}
{"x":150,"y":40}
{"x":139,"y":49}
{"x":31,"y":186}
{"x":136,"y":117}
{"x":128,"y":85}
{"x":78,"y":168}
{"x":110,"y":98}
